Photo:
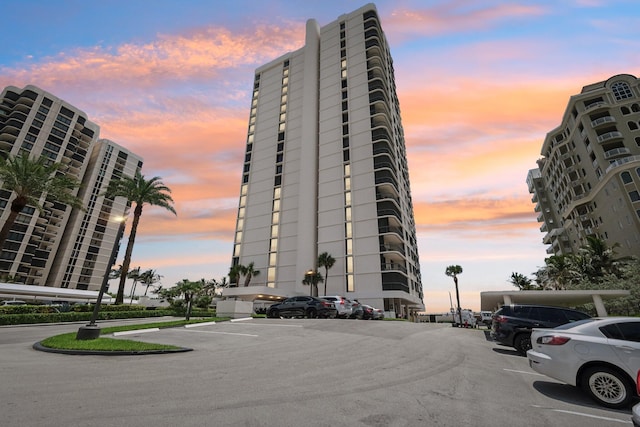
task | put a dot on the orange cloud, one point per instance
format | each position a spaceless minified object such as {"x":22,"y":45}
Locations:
{"x":454,"y":16}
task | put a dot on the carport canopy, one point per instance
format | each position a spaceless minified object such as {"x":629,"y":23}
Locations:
{"x":492,"y":300}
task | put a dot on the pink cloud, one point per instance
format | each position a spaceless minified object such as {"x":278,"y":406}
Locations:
{"x":454,"y":16}
{"x":200,"y":55}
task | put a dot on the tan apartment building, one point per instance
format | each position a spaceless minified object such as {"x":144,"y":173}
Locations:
{"x":588,"y":179}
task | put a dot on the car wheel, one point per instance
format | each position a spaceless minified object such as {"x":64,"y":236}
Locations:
{"x":312,"y":313}
{"x":607,"y":387}
{"x":522,"y":343}
{"x":273,"y":313}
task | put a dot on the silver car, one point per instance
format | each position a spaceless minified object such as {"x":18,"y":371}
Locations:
{"x":599,"y":355}
{"x":635,"y":417}
{"x":344,"y":306}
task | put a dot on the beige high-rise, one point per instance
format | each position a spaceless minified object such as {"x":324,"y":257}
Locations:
{"x":588,"y":180}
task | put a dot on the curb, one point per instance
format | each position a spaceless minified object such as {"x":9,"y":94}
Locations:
{"x":40,"y":347}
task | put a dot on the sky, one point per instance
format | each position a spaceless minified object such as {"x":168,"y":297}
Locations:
{"x":480,"y":84}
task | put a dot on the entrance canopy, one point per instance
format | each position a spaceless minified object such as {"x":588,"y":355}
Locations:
{"x":492,"y":300}
{"x":48,"y":293}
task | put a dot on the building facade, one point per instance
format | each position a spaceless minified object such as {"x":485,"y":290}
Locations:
{"x":60,"y":246}
{"x":325,"y":170}
{"x":588,"y":179}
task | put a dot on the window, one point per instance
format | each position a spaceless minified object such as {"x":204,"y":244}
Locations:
{"x":632,"y":125}
{"x":626,"y":177}
{"x":634,"y":196}
{"x":628,"y":331}
{"x":621,"y":91}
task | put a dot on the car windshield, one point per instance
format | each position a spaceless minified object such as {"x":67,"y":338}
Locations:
{"x":574,"y":324}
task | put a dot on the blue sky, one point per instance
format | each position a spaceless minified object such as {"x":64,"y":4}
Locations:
{"x":480,"y":84}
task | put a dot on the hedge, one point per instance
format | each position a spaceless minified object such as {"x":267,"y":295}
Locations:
{"x":104,"y":314}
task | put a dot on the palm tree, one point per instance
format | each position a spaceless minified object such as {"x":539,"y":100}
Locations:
{"x":326,"y":260}
{"x":521,"y":282}
{"x":140,"y":191}
{"x":135,"y":275}
{"x":234,"y":273}
{"x":453,"y":271}
{"x":312,"y":278}
{"x":30,"y":180}
{"x":149,"y":278}
{"x":249,"y":272}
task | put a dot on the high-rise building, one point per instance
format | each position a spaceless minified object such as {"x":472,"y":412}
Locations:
{"x":588,"y":179}
{"x":60,"y":246}
{"x":325,"y":170}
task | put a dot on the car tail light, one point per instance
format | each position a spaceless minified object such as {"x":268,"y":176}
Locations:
{"x":500,"y":319}
{"x":638,"y":383}
{"x":553,"y":340}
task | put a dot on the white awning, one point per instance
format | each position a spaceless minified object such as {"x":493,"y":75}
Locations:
{"x":48,"y":293}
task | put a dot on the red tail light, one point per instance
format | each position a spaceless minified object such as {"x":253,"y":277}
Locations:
{"x":638,"y":383}
{"x":500,"y":319}
{"x":553,"y":340}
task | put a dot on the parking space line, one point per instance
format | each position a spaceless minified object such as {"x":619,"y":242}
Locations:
{"x":582,"y":414}
{"x":272,"y":324}
{"x":222,"y":333}
{"x":524,"y":372}
{"x":135,"y":331}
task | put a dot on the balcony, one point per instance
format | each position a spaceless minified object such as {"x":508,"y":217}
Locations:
{"x":602,"y":120}
{"x":609,"y":136}
{"x":616,"y":152}
{"x":622,"y":161}
{"x":393,"y":266}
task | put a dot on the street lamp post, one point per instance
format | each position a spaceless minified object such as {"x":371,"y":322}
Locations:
{"x":92,"y":331}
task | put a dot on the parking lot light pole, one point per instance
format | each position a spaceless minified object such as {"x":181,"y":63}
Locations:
{"x":91,"y":331}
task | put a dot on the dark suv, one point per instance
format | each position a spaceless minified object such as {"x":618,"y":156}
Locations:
{"x":511,"y":325}
{"x":302,"y":307}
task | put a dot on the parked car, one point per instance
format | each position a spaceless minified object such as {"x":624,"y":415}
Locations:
{"x":343,"y":305}
{"x":378,"y":314}
{"x":512,"y":324}
{"x":362,"y":312}
{"x":635,"y":413}
{"x":484,"y":318}
{"x":599,"y":355}
{"x":302,"y":306}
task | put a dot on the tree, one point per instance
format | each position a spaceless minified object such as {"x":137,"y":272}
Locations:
{"x":31,"y":179}
{"x":149,"y":278}
{"x":135,"y":275}
{"x":234,"y":273}
{"x":558,"y":273}
{"x":187,"y":289}
{"x":454,"y":271}
{"x":326,"y":260}
{"x":312,"y":278}
{"x":140,"y":191}
{"x":522,"y":282}
{"x":248,"y":272}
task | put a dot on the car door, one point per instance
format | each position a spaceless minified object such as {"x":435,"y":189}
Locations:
{"x":301,"y":304}
{"x":287,"y":307}
{"x":624,"y":338}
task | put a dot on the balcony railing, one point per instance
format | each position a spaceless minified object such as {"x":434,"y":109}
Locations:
{"x":609,"y":136}
{"x":616,"y":152}
{"x":602,"y":120}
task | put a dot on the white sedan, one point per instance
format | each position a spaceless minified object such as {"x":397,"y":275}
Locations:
{"x":599,"y":355}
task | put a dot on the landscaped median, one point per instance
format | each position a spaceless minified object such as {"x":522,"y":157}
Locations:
{"x":68,"y":344}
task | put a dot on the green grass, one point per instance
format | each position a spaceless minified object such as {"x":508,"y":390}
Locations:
{"x":68,"y":341}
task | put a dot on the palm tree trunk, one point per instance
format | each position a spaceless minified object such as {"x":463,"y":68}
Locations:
{"x":127,"y":255}
{"x":326,"y":273}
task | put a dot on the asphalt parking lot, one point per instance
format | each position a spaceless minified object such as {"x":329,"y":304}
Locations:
{"x":290,"y":372}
